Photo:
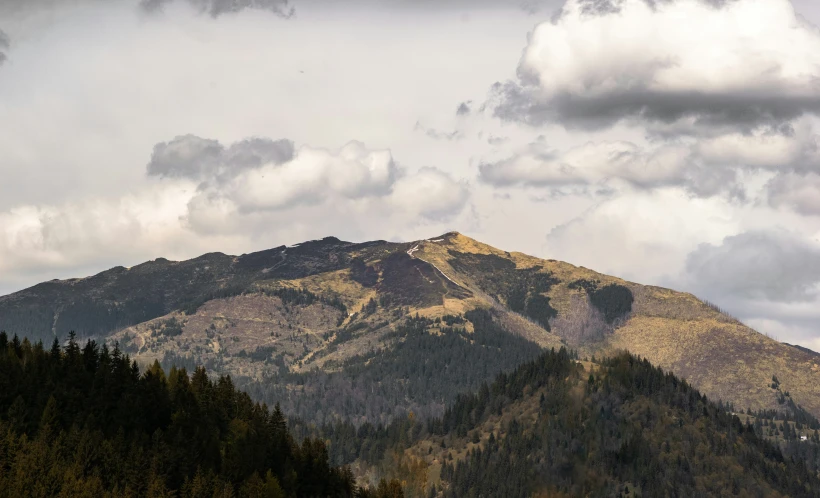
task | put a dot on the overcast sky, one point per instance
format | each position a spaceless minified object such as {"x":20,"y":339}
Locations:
{"x":669,"y":142}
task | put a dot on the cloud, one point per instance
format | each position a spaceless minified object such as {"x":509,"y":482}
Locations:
{"x":202,"y":201}
{"x":345,"y":194}
{"x":763,"y":265}
{"x":703,"y":166}
{"x":438,"y":135}
{"x":749,"y":62}
{"x":258,"y":176}
{"x":431,"y":193}
{"x":495,"y":140}
{"x":326,"y":201}
{"x":4,"y":45}
{"x":313,"y":175}
{"x":46,"y":238}
{"x":795,"y":191}
{"x":463,"y":108}
{"x":216,"y":8}
{"x":644,"y":237}
{"x":610,"y":164}
{"x":196,"y":158}
{"x":784,"y":148}
{"x":606,"y":7}
{"x":591,"y":163}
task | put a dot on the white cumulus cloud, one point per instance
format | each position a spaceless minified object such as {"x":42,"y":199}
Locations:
{"x":743,"y":62}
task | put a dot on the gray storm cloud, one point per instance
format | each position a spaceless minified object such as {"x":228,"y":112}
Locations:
{"x":799,"y":192}
{"x":214,"y":8}
{"x":606,"y":7}
{"x":765,"y":265}
{"x":744,"y":109}
{"x":4,"y":45}
{"x":196,"y":158}
{"x":217,"y":8}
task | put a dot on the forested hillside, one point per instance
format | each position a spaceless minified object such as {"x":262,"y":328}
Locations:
{"x":629,"y":430}
{"x":84,"y":421}
{"x":560,"y":427}
{"x":429,"y":364}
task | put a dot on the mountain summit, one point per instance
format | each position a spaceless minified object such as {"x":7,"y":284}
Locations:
{"x":377,"y":329}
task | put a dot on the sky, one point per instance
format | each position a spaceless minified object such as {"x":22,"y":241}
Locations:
{"x":668,"y":142}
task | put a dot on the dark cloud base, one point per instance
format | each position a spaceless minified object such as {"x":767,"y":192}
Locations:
{"x":463,"y":108}
{"x":216,"y":8}
{"x":196,"y":158}
{"x":517,"y":103}
{"x":607,"y":7}
{"x":774,"y":266}
{"x":4,"y":45}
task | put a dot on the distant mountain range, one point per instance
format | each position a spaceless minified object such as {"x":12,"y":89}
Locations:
{"x":370,"y":331}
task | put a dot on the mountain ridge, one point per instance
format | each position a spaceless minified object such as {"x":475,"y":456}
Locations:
{"x":329,"y":306}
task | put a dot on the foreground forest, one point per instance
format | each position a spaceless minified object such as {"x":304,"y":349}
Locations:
{"x":84,"y":421}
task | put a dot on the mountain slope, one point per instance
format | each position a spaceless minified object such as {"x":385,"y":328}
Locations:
{"x":556,"y":427}
{"x":371,"y":331}
{"x":122,"y":296}
{"x":674,"y":330}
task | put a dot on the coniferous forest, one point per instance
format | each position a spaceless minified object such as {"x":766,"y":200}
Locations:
{"x":84,"y":421}
{"x":628,"y":429}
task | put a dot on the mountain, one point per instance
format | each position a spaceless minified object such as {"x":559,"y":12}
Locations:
{"x":372,"y":331}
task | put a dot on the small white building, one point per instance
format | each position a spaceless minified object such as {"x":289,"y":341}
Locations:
{"x":804,"y":438}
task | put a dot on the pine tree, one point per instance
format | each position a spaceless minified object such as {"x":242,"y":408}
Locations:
{"x":49,"y":423}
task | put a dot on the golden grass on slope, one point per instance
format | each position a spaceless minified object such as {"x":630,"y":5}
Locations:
{"x":719,"y":355}
{"x":657,"y":301}
{"x":223,"y":328}
{"x":338,"y":283}
{"x":727,"y":361}
{"x":462,"y":243}
{"x":436,"y":252}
